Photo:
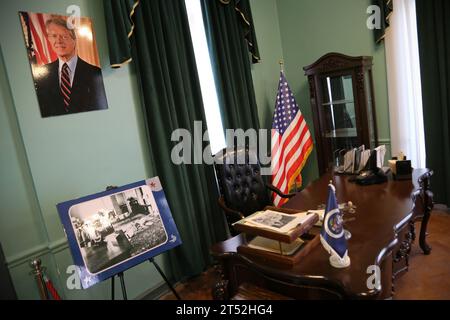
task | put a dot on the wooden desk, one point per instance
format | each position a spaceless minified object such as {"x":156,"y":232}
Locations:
{"x":382,"y":233}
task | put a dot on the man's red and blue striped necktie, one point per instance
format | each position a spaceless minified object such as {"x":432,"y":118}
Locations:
{"x":66,"y":87}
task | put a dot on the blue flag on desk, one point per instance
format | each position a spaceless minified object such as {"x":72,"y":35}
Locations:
{"x":332,"y":235}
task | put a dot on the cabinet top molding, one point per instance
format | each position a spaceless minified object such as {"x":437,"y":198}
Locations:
{"x":337,"y":61}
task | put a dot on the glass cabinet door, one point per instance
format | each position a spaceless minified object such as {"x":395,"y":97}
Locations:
{"x":339,"y":116}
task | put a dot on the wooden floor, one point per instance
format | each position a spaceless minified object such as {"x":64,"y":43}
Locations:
{"x":428,"y":277}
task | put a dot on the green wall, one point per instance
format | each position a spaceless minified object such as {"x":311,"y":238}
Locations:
{"x":307,"y":30}
{"x":47,"y":161}
{"x":266,"y":73}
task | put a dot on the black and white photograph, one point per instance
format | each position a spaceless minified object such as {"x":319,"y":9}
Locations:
{"x":115,"y":228}
{"x":112,"y":231}
{"x":273,"y":219}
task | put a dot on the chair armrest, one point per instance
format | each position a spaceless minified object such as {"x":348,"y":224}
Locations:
{"x":278,"y":191}
{"x":234,"y":214}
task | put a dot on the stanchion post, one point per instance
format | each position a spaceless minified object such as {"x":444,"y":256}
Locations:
{"x":37,"y":271}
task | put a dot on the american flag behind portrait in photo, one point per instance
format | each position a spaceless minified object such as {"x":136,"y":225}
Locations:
{"x":39,"y":49}
{"x":291,"y":141}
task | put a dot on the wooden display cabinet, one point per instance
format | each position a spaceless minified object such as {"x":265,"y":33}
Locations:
{"x":343,"y":105}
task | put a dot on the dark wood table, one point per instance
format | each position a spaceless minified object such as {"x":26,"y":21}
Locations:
{"x":382,"y":230}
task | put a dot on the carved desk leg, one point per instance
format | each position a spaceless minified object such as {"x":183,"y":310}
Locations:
{"x":220,"y":290}
{"x":426,"y":217}
{"x":428,"y":207}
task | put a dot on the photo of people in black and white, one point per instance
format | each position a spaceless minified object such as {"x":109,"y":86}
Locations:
{"x":64,"y":60}
{"x":115,"y":228}
{"x":274,"y":219}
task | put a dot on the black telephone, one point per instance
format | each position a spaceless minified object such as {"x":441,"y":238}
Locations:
{"x":371,"y":174}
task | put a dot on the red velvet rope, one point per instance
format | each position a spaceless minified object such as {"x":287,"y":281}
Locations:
{"x":51,"y":289}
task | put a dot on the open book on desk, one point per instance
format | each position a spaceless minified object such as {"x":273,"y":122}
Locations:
{"x":276,"y":225}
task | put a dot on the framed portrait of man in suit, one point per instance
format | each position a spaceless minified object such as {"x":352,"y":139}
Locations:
{"x":64,"y":60}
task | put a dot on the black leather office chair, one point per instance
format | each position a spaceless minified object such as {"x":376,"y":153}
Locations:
{"x":241,"y":186}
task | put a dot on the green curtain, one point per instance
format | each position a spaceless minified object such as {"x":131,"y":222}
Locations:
{"x":245,"y":17}
{"x":386,"y":8}
{"x":163,"y":57}
{"x":232,"y":42}
{"x":433,"y":26}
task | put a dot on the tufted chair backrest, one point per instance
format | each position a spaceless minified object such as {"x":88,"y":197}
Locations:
{"x":240,"y":182}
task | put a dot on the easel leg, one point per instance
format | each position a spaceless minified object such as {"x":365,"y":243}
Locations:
{"x":165,"y":279}
{"x":112,"y":288}
{"x":122,"y":283}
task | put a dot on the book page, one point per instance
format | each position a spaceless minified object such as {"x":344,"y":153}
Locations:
{"x":274,"y":221}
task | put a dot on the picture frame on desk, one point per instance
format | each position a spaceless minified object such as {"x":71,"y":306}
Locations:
{"x":272,"y":220}
{"x":293,"y":245}
{"x":292,"y":233}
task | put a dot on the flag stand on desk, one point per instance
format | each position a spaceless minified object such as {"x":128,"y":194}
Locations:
{"x":332,"y":235}
{"x":291,"y":142}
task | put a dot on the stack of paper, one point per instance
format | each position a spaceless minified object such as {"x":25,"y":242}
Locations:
{"x":365,"y":155}
{"x":381,"y":153}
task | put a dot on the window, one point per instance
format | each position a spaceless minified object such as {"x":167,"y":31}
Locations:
{"x":205,"y":72}
{"x":404,"y":83}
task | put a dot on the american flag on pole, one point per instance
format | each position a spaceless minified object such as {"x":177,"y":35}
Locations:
{"x":291,"y":141}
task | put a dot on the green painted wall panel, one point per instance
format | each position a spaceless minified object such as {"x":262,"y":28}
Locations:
{"x":266,"y":73}
{"x":20,"y":208}
{"x":309,"y":29}
{"x":312,"y":28}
